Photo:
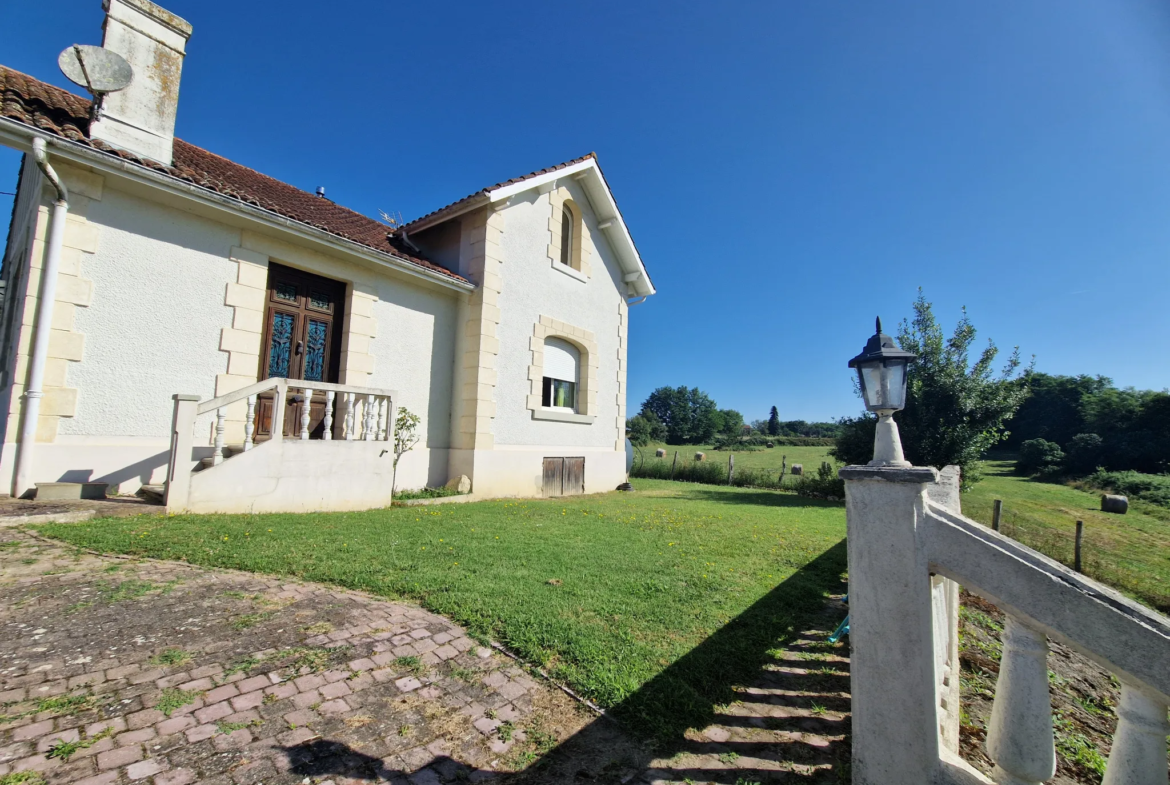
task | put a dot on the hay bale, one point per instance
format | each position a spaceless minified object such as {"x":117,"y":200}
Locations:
{"x":700,"y":456}
{"x":660,"y":453}
{"x":797,"y":469}
{"x":1114,"y":503}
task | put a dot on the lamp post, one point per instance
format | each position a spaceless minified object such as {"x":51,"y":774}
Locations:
{"x":881,"y":370}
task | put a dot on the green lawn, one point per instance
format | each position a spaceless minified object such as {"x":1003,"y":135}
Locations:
{"x":653,"y":603}
{"x":1130,"y":552}
{"x":763,"y":458}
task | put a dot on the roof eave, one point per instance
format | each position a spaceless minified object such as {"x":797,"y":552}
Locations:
{"x":19,"y":135}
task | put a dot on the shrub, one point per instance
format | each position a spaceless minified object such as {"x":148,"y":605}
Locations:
{"x":425,"y":493}
{"x":825,"y":484}
{"x":1086,"y":452}
{"x":1039,"y":455}
{"x":1152,"y":488}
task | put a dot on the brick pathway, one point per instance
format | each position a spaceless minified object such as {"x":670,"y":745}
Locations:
{"x":113,"y":671}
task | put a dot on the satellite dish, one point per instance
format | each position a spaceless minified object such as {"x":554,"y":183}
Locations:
{"x":98,"y":70}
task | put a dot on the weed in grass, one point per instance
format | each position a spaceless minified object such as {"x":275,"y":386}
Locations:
{"x":171,"y":657}
{"x":506,"y":731}
{"x":818,"y":710}
{"x":112,"y":568}
{"x":405,"y":730}
{"x":310,"y":659}
{"x":320,"y":628}
{"x":232,"y":727}
{"x":269,"y":699}
{"x":62,"y":750}
{"x":28,"y":561}
{"x":466,"y":675}
{"x":1077,"y":748}
{"x":242,"y":666}
{"x":173,"y":698}
{"x":729,"y":758}
{"x":232,"y":594}
{"x":60,"y":705}
{"x":412,"y":664}
{"x":22,"y":778}
{"x":249,"y":620}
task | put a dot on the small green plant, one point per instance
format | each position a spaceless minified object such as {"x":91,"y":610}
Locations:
{"x":249,"y":620}
{"x":242,"y":666}
{"x":404,"y":730}
{"x":1077,"y":748}
{"x":22,"y":778}
{"x":232,"y":727}
{"x":172,"y":699}
{"x":309,"y":658}
{"x":729,"y":758}
{"x":506,"y":731}
{"x":466,"y":675}
{"x":171,"y":657}
{"x":412,"y":664}
{"x":320,"y":628}
{"x":818,"y":710}
{"x":62,"y":750}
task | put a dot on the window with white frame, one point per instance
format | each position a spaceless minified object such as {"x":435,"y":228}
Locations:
{"x":562,"y":375}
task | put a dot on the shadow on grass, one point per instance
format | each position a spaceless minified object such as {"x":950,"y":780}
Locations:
{"x":694,"y":692}
{"x":760,"y":496}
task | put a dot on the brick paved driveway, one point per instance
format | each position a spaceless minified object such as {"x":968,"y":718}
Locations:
{"x":115,"y":671}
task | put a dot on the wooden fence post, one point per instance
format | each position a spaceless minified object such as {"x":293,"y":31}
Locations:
{"x":672,"y":464}
{"x":730,"y":468}
{"x":997,"y":515}
{"x":783,"y":469}
{"x":1077,"y":551}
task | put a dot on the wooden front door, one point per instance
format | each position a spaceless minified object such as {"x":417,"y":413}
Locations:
{"x":302,"y":341}
{"x":564,"y":477}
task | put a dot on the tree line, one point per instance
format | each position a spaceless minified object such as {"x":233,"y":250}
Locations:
{"x":687,"y":415}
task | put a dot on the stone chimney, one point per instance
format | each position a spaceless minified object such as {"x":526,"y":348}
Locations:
{"x":141,"y":118}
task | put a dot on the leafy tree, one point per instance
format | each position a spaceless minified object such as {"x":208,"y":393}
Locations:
{"x":774,"y":423}
{"x":406,"y":436}
{"x":689,"y":415}
{"x":645,"y":428}
{"x":730,"y":422}
{"x":956,"y":409}
{"x":1039,"y":455}
{"x":1085,"y":453}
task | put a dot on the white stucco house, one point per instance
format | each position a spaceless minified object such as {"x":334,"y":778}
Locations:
{"x":170,"y":316}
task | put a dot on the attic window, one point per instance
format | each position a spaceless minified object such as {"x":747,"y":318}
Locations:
{"x":566,"y":236}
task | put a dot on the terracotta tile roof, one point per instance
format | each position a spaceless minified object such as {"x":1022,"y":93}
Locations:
{"x":56,"y":111}
{"x":454,"y":207}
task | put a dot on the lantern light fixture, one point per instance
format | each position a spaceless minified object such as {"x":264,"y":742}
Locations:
{"x":881,"y":372}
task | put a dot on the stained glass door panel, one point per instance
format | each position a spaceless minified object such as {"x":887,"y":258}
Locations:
{"x":300,"y":343}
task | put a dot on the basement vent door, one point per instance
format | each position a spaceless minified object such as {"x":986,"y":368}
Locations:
{"x":564,"y":477}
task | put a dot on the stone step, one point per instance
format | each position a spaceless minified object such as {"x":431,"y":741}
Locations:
{"x":70,"y":491}
{"x":228,"y":451}
{"x":155,"y":494}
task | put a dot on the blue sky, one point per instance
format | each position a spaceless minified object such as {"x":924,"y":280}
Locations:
{"x":788,"y":169}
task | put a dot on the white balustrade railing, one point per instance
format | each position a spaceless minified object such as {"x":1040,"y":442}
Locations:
{"x":350,"y":413}
{"x":904,"y":538}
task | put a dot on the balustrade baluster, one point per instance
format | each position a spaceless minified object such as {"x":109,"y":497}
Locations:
{"x":306,"y":406}
{"x":349,"y":416}
{"x":217,"y":456}
{"x":370,"y":423}
{"x":328,"y":415}
{"x":1139,"y":745}
{"x":381,"y":420}
{"x":250,"y":423}
{"x":1019,"y":738}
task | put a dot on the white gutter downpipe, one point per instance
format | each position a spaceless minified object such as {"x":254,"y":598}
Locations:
{"x":34,"y":389}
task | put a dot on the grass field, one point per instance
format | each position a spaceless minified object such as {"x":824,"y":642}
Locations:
{"x":1130,"y":552}
{"x":810,"y":457}
{"x":652,"y":603}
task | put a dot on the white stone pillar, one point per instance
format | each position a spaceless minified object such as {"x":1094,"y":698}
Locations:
{"x":1019,"y":736}
{"x":892,"y":670}
{"x":945,"y":597}
{"x":178,"y":488}
{"x":1138,"y":756}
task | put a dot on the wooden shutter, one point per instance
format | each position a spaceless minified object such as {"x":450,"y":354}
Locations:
{"x":574,"y":484}
{"x":554,"y":469}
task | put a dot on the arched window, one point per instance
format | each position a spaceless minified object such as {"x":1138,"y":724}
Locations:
{"x":566,"y":236}
{"x":562,"y":375}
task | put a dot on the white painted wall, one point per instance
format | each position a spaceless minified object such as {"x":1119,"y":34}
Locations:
{"x":531,"y":288}
{"x":153,"y":328}
{"x":414,"y":354}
